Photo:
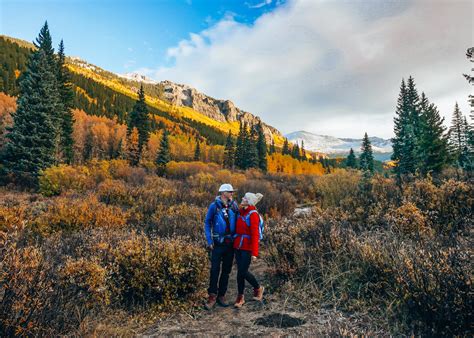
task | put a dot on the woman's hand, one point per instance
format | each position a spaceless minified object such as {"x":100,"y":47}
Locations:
{"x":254,"y":258}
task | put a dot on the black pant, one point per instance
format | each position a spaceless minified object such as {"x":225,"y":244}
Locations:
{"x":221,"y":254}
{"x":244,"y":258}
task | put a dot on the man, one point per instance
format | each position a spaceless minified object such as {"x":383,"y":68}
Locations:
{"x":220,"y":229}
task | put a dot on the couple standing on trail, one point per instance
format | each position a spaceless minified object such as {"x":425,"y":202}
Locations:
{"x":232,"y":231}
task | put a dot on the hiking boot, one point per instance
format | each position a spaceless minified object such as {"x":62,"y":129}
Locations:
{"x":211,"y":301}
{"x":258,"y":293}
{"x":221,"y":301}
{"x":239,"y":301}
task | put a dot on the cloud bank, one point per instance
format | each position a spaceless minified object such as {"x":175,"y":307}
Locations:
{"x":330,"y":67}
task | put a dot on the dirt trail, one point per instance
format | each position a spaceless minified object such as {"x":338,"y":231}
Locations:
{"x":272,"y":317}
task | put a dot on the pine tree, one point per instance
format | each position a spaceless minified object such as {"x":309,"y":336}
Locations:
{"x":44,"y":42}
{"x":163,"y":156}
{"x":239,"y":149}
{"x":432,"y":147}
{"x":366,"y":159}
{"x":295,"y":153}
{"x":286,"y":148}
{"x":404,"y":142}
{"x":251,"y":152}
{"x":303,"y":151}
{"x":139,"y":118}
{"x":261,"y":148}
{"x":66,"y":116}
{"x":133,"y":149}
{"x":272,"y":147}
{"x":229,"y":152}
{"x":31,"y":146}
{"x":351,"y":160}
{"x":457,"y":139}
{"x":197,"y":151}
{"x":470,"y":79}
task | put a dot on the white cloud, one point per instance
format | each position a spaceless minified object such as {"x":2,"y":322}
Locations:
{"x":259,"y":5}
{"x":331,"y":67}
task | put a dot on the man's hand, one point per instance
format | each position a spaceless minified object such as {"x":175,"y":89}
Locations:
{"x":254,"y":258}
{"x":210,"y":247}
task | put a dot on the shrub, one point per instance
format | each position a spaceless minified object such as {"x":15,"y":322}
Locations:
{"x":58,"y":179}
{"x":179,"y":220}
{"x":181,"y":170}
{"x":67,"y":215}
{"x":156,"y":271}
{"x":333,"y":190}
{"x":274,"y":203}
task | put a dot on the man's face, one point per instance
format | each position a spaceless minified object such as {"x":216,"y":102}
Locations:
{"x":228,"y":195}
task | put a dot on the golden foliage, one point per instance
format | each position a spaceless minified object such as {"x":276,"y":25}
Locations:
{"x":278,"y":163}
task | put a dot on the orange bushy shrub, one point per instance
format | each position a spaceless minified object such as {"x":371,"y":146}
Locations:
{"x":69,"y":214}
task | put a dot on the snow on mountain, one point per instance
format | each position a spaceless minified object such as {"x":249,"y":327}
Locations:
{"x":334,"y":145}
{"x":137,"y":77}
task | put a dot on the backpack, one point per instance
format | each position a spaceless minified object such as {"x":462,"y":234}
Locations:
{"x":261,"y":224}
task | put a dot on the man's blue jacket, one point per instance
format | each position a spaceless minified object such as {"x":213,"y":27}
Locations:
{"x":215,"y":223}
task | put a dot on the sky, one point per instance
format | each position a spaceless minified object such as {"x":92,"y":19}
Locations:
{"x":324,"y":66}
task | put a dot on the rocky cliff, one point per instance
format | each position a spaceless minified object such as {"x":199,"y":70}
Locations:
{"x":219,"y":110}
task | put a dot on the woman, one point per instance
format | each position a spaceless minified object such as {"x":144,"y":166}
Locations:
{"x":246,"y":246}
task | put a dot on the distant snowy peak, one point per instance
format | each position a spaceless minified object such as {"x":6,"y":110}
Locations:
{"x":137,"y":77}
{"x":334,"y":145}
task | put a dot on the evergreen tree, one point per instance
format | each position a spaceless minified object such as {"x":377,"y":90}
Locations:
{"x":272,"y":147}
{"x":470,"y":79}
{"x":197,"y":151}
{"x":303,"y":151}
{"x":366,"y":159}
{"x":240,"y":151}
{"x":251,"y":159}
{"x":404,"y":142}
{"x":457,"y":135}
{"x":432,"y":147}
{"x":139,"y":118}
{"x":32,"y":137}
{"x":295,"y":153}
{"x":261,"y":148}
{"x":163,"y":156}
{"x":351,"y":160}
{"x":286,"y":148}
{"x":66,"y":116}
{"x":133,"y":149}
{"x":229,"y":152}
{"x":44,"y":42}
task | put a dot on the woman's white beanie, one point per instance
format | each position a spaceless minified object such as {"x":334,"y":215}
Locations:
{"x":253,"y":198}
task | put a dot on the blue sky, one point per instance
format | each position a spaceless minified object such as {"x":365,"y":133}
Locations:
{"x":121,"y":35}
{"x":325,"y":66}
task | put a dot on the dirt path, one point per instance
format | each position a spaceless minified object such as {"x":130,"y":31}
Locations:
{"x":272,"y":317}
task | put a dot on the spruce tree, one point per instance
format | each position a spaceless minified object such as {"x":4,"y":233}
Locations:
{"x":272,"y":147}
{"x":163,"y":156}
{"x":32,"y":137}
{"x":432,"y":147}
{"x":251,"y":152}
{"x":229,"y":152}
{"x":457,"y":136}
{"x":139,"y":118}
{"x":295,"y":153}
{"x":366,"y":159}
{"x":261,"y":148}
{"x":197,"y":151}
{"x":239,"y":149}
{"x":133,"y":149}
{"x":404,"y":142}
{"x":286,"y":148}
{"x":66,"y":116}
{"x":351,"y":160}
{"x":470,"y":79}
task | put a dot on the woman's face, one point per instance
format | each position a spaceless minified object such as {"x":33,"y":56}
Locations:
{"x":245,"y":202}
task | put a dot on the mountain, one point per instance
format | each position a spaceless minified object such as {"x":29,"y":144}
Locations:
{"x":103,"y":93}
{"x":334,"y":146}
{"x":137,"y":77}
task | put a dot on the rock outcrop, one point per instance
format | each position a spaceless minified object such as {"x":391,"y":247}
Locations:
{"x":219,"y":110}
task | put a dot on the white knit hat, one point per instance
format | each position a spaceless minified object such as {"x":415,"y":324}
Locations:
{"x":252,"y":198}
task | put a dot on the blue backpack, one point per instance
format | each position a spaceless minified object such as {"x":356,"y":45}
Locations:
{"x":261,"y":224}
